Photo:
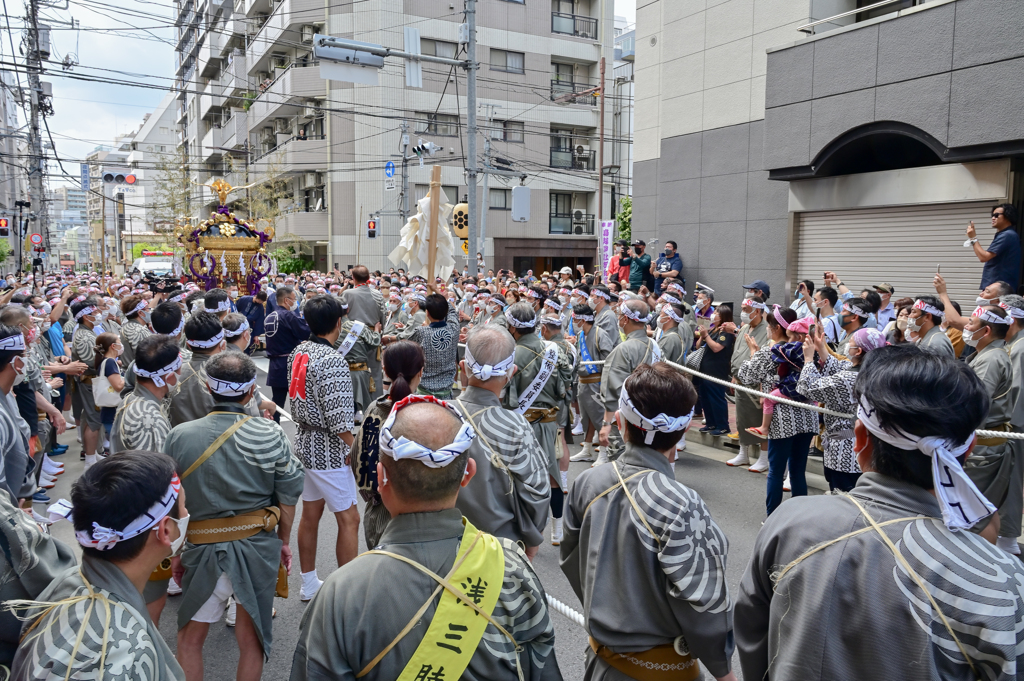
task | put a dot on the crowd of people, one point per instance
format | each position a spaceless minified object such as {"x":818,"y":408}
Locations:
{"x":448,"y":407}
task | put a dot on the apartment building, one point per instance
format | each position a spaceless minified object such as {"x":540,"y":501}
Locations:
{"x":249,"y":83}
{"x":623,"y":106}
{"x":13,"y":180}
{"x":776,"y":139}
{"x":67,"y":199}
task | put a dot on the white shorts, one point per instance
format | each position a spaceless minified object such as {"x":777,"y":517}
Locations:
{"x":336,"y":486}
{"x":213,"y":609}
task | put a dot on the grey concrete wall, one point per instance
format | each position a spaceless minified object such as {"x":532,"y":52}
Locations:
{"x":709,"y":192}
{"x":952,"y":70}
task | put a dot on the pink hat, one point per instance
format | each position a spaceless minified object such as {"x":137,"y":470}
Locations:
{"x":801,"y":325}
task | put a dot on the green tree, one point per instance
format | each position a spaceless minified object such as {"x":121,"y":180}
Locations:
{"x":137,"y":249}
{"x":624,"y":218}
{"x":172,"y":191}
{"x":290,"y":262}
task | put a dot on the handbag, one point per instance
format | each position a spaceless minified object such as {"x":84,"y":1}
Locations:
{"x":694,"y":358}
{"x":103,"y":394}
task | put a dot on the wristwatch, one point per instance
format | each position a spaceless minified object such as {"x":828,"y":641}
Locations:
{"x":605,"y":423}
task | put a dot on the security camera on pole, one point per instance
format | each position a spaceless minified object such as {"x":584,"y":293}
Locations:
{"x":358,"y":62}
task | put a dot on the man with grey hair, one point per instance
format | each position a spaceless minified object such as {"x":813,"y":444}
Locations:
{"x":537,"y":390}
{"x":1010,"y":522}
{"x":510,"y":493}
{"x":637,"y":349}
{"x":242,"y":482}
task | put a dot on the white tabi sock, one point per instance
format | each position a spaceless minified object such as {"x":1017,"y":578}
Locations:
{"x":310,"y":581}
{"x":1009,"y":544}
{"x":565,"y":479}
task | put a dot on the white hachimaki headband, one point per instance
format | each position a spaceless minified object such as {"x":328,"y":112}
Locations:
{"x":671,"y":299}
{"x":173,"y":298}
{"x":671,"y":314}
{"x":601,"y":294}
{"x":213,"y":342}
{"x":228,"y":387}
{"x":143,"y":304}
{"x":553,"y":304}
{"x":635,"y":316}
{"x":749,"y":302}
{"x":583,"y":317}
{"x":222,"y":306}
{"x":852,"y":309}
{"x":549,"y":320}
{"x":485,"y":372}
{"x":401,"y":448}
{"x":990,"y":317}
{"x":961,"y":503}
{"x":533,"y":294}
{"x":15,"y":343}
{"x":662,"y":423}
{"x":419,"y":298}
{"x":929,"y":309}
{"x":1014,"y":312}
{"x":158,"y":375}
{"x":84,"y":312}
{"x":104,"y":538}
{"x":243,"y":327}
{"x":178,"y":328}
{"x":518,"y":324}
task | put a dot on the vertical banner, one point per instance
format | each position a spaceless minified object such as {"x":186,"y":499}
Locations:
{"x":607,"y":243}
{"x":84,"y":168}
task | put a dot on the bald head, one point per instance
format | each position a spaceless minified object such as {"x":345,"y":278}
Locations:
{"x":639,"y":309}
{"x":490,"y":344}
{"x":434,"y":427}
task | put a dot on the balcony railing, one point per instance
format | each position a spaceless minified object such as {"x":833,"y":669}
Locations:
{"x":574,"y":24}
{"x":571,"y":223}
{"x":561,"y":88}
{"x":571,"y":159}
{"x":859,"y":14}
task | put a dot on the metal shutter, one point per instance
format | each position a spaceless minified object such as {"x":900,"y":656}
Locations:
{"x":900,"y":245}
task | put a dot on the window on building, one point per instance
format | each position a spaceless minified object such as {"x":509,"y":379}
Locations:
{"x":451,"y":193}
{"x":513,"y":131}
{"x":438,"y":48}
{"x":512,"y":62}
{"x":500,"y":200}
{"x":437,"y":124}
{"x":164,"y":131}
{"x":562,"y":73}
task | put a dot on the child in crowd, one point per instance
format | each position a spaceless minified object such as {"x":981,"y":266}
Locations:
{"x":790,"y":359}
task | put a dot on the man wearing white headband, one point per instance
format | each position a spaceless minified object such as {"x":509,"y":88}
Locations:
{"x":625,"y":551}
{"x":635,"y":350}
{"x":83,"y":344}
{"x":216,"y":301}
{"x":129,"y":516}
{"x":417,"y":316}
{"x":593,"y":344}
{"x":538,"y":388}
{"x":600,"y":301}
{"x":890,"y":571}
{"x":924,"y":326}
{"x":189,"y":399}
{"x":748,"y":408}
{"x":366,"y":305}
{"x":1014,"y":506}
{"x":242,"y":482}
{"x":509,"y":495}
{"x":551,"y":332}
{"x":990,"y":465}
{"x":424,"y":466}
{"x":135,"y":329}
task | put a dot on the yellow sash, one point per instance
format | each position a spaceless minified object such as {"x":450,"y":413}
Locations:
{"x":457,"y":626}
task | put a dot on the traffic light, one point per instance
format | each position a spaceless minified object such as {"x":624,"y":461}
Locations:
{"x":371,"y":229}
{"x":118,"y":176}
{"x":425,"y":148}
{"x":4,"y":227}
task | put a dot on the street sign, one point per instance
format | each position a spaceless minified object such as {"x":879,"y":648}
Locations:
{"x":465,"y":247}
{"x":389,"y":169}
{"x":36,"y":239}
{"x":389,"y":184}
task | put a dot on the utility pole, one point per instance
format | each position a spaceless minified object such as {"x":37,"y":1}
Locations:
{"x":471,"y":169}
{"x":486,"y":201}
{"x":600,"y":174}
{"x":37,"y":165}
{"x":404,"y":198}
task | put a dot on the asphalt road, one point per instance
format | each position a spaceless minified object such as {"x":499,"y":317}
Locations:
{"x":734,"y":496}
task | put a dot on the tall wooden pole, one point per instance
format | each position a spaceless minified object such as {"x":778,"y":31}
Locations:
{"x":435,"y":206}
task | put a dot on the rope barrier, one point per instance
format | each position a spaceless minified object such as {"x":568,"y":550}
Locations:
{"x":280,"y":410}
{"x":793,"y":403}
{"x":563,"y":609}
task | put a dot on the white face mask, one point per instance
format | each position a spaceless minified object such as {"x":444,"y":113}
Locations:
{"x":969,"y":338}
{"x":745,"y":317}
{"x":393,"y":306}
{"x":983,"y":301}
{"x":19,"y":374}
{"x":909,"y":325}
{"x":233,"y":294}
{"x":178,"y":544}
{"x":593,"y":302}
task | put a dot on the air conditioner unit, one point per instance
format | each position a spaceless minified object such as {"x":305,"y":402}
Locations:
{"x":309,"y":110}
{"x":578,"y":216}
{"x":262,"y":76}
{"x":301,"y":182}
{"x":582,"y":150}
{"x":307,"y":34}
{"x":261,"y":18}
{"x":311,"y":180}
{"x":279,"y":61}
{"x":267,"y":132}
{"x":282,"y":125}
{"x":321,"y":179}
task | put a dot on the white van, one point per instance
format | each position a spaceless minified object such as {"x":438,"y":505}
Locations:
{"x":159,"y":266}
